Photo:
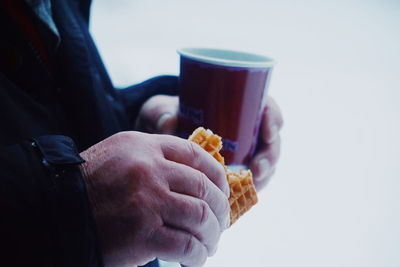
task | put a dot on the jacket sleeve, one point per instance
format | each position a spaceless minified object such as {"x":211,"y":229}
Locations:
{"x":133,"y":97}
{"x":45,"y":217}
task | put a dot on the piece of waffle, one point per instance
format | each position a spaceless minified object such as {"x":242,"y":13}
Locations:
{"x":242,"y":191}
{"x":210,"y":142}
{"x":243,"y":194}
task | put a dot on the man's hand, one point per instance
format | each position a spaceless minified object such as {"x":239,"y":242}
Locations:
{"x":159,"y":115}
{"x":264,"y":161}
{"x":155,"y":196}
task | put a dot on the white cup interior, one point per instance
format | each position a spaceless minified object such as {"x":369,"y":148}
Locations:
{"x":227,"y":57}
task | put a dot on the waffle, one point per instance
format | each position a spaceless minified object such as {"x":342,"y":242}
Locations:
{"x":243,"y":194}
{"x":242,"y":191}
{"x":209,"y":142}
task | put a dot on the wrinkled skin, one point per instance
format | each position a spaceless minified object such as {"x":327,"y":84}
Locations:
{"x":159,"y":196}
{"x":155,"y":196}
{"x":159,"y":115}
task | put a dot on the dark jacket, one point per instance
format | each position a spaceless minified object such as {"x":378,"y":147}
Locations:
{"x":49,"y":112}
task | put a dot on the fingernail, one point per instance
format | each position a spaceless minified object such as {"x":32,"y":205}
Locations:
{"x":273,"y":133}
{"x":162,"y":120}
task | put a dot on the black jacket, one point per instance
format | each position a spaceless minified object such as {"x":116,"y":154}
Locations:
{"x":49,"y":112}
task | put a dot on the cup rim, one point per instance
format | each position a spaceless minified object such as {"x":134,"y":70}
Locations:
{"x":226,"y":57}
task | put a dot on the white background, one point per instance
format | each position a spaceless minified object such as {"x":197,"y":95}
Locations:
{"x":335,"y":198}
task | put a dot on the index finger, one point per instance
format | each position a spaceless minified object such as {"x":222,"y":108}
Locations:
{"x":188,"y":153}
{"x":185,"y":180}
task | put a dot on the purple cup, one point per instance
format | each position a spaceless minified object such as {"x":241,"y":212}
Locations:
{"x":224,"y":91}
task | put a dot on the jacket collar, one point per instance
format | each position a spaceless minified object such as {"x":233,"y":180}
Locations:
{"x":42,"y":9}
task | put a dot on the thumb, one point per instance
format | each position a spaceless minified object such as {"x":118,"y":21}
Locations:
{"x":166,"y":123}
{"x":159,"y":115}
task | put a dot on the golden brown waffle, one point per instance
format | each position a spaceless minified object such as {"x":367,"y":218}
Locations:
{"x":209,"y":142}
{"x":243,"y":193}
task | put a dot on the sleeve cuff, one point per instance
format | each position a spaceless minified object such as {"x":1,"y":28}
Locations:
{"x":58,"y":149}
{"x":73,"y":224}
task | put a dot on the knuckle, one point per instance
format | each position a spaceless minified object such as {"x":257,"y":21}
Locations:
{"x":197,"y":211}
{"x":203,"y":212}
{"x":189,"y":245}
{"x":146,"y":166}
{"x":122,"y":135}
{"x":185,"y":208}
{"x":201,"y":185}
{"x":194,"y":151}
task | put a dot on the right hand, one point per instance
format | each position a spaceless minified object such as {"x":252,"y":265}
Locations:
{"x":155,"y":196}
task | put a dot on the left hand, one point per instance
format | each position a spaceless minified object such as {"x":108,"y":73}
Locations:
{"x":264,"y":162}
{"x":159,"y":115}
